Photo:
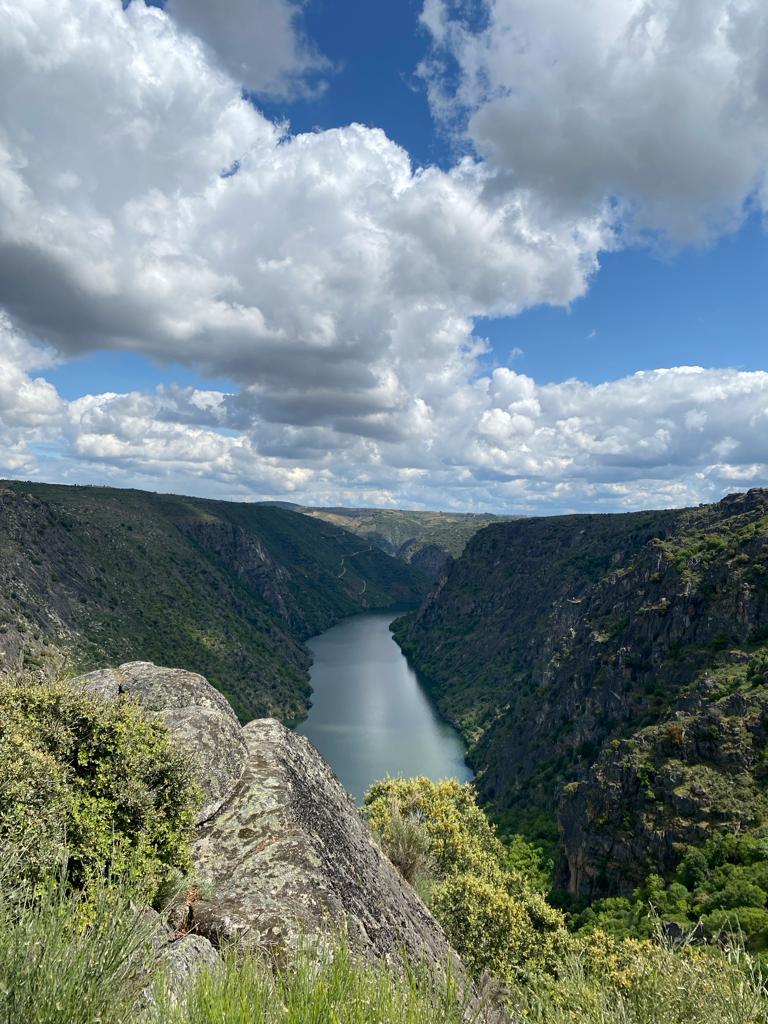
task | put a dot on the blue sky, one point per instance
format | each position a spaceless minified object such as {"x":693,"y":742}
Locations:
{"x":335,"y":325}
{"x":648,"y":306}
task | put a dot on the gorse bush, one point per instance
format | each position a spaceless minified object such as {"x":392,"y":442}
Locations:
{"x":329,"y":987}
{"x":494,"y":918}
{"x":97,"y":778}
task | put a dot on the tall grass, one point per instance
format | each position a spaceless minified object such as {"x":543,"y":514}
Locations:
{"x":55,"y":970}
{"x":670,"y":987}
{"x":330,"y":988}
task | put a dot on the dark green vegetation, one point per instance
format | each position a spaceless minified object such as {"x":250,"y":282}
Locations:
{"x":101,"y":576}
{"x":720,"y":886}
{"x":97,"y":778}
{"x":611,"y":674}
{"x":426,"y":540}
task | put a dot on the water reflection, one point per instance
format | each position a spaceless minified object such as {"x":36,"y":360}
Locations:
{"x":370,"y":717}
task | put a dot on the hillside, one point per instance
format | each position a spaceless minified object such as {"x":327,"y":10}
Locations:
{"x":587,"y":657}
{"x":425,"y":540}
{"x":99,"y":574}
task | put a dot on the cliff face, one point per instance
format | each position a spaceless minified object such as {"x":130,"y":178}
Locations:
{"x":666,"y":787}
{"x":97,"y":574}
{"x":282,"y":856}
{"x":551,"y":637}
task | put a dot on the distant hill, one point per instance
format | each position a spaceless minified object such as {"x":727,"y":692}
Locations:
{"x":610,"y":673}
{"x":425,"y":540}
{"x":101,"y":576}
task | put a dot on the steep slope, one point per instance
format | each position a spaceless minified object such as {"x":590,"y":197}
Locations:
{"x":552,"y":637}
{"x":426,"y":540}
{"x":223,"y":588}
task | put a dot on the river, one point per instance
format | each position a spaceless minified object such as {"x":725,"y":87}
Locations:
{"x":369,"y":716}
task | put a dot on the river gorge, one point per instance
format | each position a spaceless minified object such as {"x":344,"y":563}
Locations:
{"x":370,"y":717}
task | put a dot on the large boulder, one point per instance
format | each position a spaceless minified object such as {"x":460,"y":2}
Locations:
{"x":282,"y":856}
{"x":289,"y":857}
{"x":198,"y":717}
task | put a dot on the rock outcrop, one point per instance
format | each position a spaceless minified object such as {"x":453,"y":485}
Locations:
{"x":197,"y":716}
{"x":667,"y":787}
{"x":282,"y":855}
{"x":289,"y":857}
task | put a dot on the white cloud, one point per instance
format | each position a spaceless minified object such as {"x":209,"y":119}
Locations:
{"x":259,"y":42}
{"x":659,"y":104}
{"x":335,"y":285}
{"x":329,"y":278}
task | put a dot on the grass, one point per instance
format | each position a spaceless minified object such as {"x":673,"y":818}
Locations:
{"x":54,"y":971}
{"x":330,"y":987}
{"x":688,"y":986}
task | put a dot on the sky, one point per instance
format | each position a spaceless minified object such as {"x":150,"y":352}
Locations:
{"x":482,"y":255}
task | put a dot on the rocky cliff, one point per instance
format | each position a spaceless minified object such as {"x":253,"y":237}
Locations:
{"x":551,"y":639}
{"x":281,"y":857}
{"x":95,"y":575}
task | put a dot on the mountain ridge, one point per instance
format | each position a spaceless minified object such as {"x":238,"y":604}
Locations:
{"x":96,"y":574}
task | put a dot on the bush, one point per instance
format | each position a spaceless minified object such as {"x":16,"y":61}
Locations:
{"x":406,"y":842}
{"x":321,"y":988}
{"x":492,"y":915}
{"x":499,"y":927}
{"x":96,"y":777}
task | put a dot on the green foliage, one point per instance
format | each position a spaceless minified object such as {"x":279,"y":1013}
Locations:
{"x":322,"y":987}
{"x":54,"y":971}
{"x":492,"y":914}
{"x":603,"y":982}
{"x":723,"y":884}
{"x":96,"y":777}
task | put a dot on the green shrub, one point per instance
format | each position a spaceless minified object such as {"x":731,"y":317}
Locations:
{"x":493,"y":916}
{"x":497,"y":926}
{"x":406,"y":842}
{"x":94,"y":776}
{"x":328,"y":987}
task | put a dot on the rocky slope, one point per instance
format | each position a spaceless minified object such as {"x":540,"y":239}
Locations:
{"x":282,"y":857}
{"x":96,"y":574}
{"x":425,"y":540}
{"x":552,"y":639}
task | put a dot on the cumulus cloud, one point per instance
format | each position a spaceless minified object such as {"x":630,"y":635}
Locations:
{"x":259,"y":42}
{"x":146,"y":206}
{"x":660,"y":105}
{"x":325,"y":275}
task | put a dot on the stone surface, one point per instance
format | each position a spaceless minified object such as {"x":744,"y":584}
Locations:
{"x":289,"y":856}
{"x":197,"y":716}
{"x":282,"y":856}
{"x":179,"y":957}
